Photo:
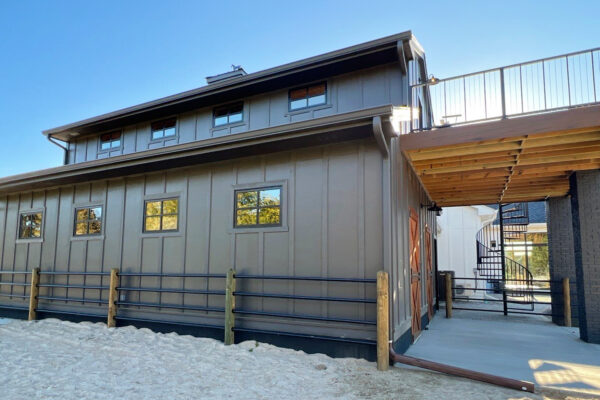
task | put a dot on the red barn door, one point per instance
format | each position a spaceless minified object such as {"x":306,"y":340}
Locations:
{"x":415,"y":273}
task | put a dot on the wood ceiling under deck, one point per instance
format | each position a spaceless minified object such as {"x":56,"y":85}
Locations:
{"x":491,"y":162}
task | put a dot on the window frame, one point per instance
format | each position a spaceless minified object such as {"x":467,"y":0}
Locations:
{"x":32,"y":238}
{"x":110,"y":149}
{"x":164,"y":138}
{"x":228,"y":106}
{"x":78,"y":207}
{"x":281,"y":226}
{"x":162,"y":199}
{"x":307,"y":87}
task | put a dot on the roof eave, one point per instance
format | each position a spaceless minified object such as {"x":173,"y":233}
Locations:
{"x":68,"y":131}
{"x":60,"y":175}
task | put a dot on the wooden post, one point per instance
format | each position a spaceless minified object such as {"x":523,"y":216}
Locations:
{"x":383,"y":321}
{"x":33,"y":293}
{"x":113,"y":296}
{"x":448,"y":295}
{"x":567,"y":301}
{"x":229,"y":306}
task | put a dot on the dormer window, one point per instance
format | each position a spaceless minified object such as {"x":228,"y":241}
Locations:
{"x":110,"y":141}
{"x":163,"y":129}
{"x":308,"y":96}
{"x":228,"y":114}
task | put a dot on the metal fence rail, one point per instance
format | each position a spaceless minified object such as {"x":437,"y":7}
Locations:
{"x":474,"y":298}
{"x":47,"y":282}
{"x":544,"y":85}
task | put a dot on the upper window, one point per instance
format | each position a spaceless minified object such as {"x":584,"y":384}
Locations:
{"x":88,"y":221}
{"x":308,"y":96}
{"x":110,"y":141}
{"x":161,"y":215}
{"x":229,"y":114}
{"x":258,"y":207}
{"x":30,"y":225}
{"x":163,"y":129}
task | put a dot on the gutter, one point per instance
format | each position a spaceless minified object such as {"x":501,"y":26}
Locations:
{"x":171,"y":155}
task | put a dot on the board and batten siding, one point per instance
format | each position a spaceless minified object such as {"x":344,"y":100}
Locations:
{"x":333,"y":200}
{"x":407,"y":193}
{"x":349,"y":92}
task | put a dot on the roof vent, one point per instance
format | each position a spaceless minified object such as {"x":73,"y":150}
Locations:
{"x":236,"y":72}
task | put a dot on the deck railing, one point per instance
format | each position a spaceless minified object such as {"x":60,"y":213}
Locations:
{"x":545,"y":85}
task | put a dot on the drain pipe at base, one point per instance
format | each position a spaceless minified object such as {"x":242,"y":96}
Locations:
{"x":463,"y":373}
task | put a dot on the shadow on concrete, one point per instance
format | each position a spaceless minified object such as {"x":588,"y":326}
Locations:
{"x":529,"y":348}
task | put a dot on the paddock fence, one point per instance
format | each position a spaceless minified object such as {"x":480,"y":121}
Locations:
{"x":119,"y":297}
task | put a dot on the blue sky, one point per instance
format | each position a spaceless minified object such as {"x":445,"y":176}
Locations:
{"x":63,"y":61}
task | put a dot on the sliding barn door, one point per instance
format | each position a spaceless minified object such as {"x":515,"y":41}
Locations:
{"x":415,"y":273}
{"x":429,"y":272}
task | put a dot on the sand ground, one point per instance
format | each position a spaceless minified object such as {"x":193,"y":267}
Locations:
{"x":53,"y":359}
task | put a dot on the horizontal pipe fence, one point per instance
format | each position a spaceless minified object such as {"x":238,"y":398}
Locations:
{"x":8,"y":285}
{"x":114,"y":295}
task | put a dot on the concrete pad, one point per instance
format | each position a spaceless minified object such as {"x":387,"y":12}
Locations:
{"x":529,"y":348}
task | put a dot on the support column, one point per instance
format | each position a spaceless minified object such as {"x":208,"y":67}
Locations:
{"x":561,"y":256}
{"x":585,"y":206}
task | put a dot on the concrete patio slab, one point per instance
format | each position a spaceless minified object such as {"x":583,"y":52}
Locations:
{"x":527,"y":347}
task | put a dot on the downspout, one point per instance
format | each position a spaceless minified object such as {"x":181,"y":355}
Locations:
{"x":65,"y":149}
{"x":380,"y":137}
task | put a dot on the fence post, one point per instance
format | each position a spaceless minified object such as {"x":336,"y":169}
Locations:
{"x":503,"y":93}
{"x":448,"y":295}
{"x":567,"y":301}
{"x":383,"y":321}
{"x":33,"y":293}
{"x":229,"y":306}
{"x":112,"y":298}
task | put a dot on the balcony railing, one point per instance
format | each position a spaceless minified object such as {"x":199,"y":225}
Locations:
{"x":545,"y":85}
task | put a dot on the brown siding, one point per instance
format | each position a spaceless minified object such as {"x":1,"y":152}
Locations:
{"x":407,"y":192}
{"x":371,"y":87}
{"x":334,"y":228}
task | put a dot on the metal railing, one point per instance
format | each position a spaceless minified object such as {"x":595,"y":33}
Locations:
{"x":539,"y":86}
{"x":481,"y":295}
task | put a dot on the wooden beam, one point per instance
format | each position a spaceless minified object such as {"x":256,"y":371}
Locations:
{"x":566,"y":301}
{"x":33,"y":294}
{"x":577,"y":119}
{"x":113,"y":297}
{"x":467,"y":168}
{"x":437,"y":164}
{"x":482,"y":148}
{"x":229,"y":307}
{"x":449,"y":296}
{"x":528,"y":148}
{"x":383,"y":321}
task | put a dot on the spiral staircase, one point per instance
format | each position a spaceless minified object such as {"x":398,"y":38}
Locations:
{"x":501,"y":271}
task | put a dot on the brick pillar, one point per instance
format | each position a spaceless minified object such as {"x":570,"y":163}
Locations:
{"x":585,"y":206}
{"x":561,"y":256}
